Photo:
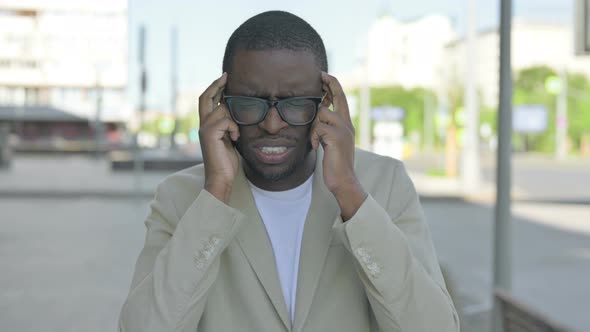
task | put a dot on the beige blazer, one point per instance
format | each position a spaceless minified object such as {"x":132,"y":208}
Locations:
{"x":207,"y":266}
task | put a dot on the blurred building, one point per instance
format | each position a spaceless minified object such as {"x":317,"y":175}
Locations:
{"x":533,"y":44}
{"x":404,"y":53}
{"x":65,"y":54}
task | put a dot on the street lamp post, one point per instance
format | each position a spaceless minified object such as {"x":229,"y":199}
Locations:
{"x":365,"y":114}
{"x":502,"y":268}
{"x":174,"y":84}
{"x":143,"y":81}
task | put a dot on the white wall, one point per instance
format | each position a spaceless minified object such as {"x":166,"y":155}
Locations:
{"x":533,"y":44}
{"x":403,"y":53}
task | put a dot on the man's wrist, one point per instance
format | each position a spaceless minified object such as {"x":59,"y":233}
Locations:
{"x":350,"y":197}
{"x":220,"y":191}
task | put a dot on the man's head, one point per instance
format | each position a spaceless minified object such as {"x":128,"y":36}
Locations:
{"x":275,"y":30}
{"x":275,"y":55}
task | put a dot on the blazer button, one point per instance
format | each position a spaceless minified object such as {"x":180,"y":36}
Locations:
{"x":374,"y":269}
{"x":363,"y":255}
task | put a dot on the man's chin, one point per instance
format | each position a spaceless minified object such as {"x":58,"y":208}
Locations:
{"x":272,"y":172}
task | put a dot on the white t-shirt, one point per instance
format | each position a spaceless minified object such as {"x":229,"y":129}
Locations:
{"x":284,"y":214}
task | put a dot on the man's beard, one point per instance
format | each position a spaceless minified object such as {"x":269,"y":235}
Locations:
{"x":268,"y":174}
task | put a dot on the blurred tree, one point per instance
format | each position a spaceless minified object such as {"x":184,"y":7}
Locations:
{"x":529,"y":88}
{"x":150,"y":126}
{"x":188,"y":122}
{"x":412,"y":101}
{"x":578,"y":109}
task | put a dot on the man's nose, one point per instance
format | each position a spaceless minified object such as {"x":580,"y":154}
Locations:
{"x":273,"y":123}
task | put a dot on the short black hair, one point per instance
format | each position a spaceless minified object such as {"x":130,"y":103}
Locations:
{"x":273,"y":30}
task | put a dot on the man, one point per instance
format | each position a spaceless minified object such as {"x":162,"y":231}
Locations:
{"x":285,"y":226}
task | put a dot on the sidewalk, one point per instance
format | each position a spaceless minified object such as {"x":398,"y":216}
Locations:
{"x":71,"y":176}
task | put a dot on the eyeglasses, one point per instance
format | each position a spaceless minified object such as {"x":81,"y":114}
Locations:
{"x":296,"y":111}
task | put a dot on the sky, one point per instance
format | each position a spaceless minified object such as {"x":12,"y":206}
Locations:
{"x":204,"y":27}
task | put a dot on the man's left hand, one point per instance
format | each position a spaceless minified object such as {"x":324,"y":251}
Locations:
{"x":335,"y":132}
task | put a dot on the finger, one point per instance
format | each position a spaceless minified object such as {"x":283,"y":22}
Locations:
{"x":223,"y":127}
{"x":219,"y":112}
{"x":333,"y":119}
{"x":315,"y":135}
{"x":327,"y":100}
{"x":320,"y":134}
{"x":211,"y":96}
{"x":337,"y":95}
{"x":230,"y":128}
{"x":220,"y":115}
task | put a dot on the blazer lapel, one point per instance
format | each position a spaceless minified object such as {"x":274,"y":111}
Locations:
{"x":317,"y":236}
{"x":253,"y":239}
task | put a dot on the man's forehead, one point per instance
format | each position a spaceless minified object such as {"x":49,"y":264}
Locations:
{"x":257,"y":86}
{"x":274,"y":71}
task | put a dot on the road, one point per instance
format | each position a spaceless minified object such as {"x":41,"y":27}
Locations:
{"x":535,"y":177}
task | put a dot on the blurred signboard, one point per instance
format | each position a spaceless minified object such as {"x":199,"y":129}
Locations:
{"x":582,"y":27}
{"x":529,"y":119}
{"x":388,"y":139}
{"x":387,"y":113}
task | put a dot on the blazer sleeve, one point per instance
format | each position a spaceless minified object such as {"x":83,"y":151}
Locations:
{"x":396,"y":262}
{"x":178,"y":264}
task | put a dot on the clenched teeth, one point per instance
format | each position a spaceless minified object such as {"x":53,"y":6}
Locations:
{"x":273,"y":149}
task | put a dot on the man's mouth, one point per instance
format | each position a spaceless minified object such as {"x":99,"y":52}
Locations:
{"x":273,"y":149}
{"x":273,"y":155}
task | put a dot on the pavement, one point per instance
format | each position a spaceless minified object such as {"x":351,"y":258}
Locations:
{"x":72,"y":229}
{"x":72,"y":176}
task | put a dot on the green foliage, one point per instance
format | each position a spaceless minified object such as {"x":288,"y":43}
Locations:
{"x":185,"y":124}
{"x":412,"y":101}
{"x":529,"y":88}
{"x":436,"y":172}
{"x":578,"y":108}
{"x":188,"y":122}
{"x":490,"y":116}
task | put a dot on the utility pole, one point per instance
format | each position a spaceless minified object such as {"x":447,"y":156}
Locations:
{"x":561,"y":123}
{"x":98,"y":129}
{"x":143,"y":81}
{"x":143,"y":75}
{"x":174,"y":84}
{"x":470,"y":171}
{"x":503,"y":216}
{"x":365,"y":116}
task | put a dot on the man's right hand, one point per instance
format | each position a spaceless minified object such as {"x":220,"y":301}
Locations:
{"x":216,"y":130}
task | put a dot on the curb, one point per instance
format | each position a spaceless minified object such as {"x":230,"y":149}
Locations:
{"x":73,"y":194}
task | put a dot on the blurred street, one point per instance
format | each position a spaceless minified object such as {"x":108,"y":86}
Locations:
{"x":69,"y":241}
{"x":534,"y":177}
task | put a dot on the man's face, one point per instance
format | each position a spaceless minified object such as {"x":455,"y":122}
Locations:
{"x":277,"y":156}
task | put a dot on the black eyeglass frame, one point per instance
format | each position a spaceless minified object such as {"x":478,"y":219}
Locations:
{"x":275,"y":103}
